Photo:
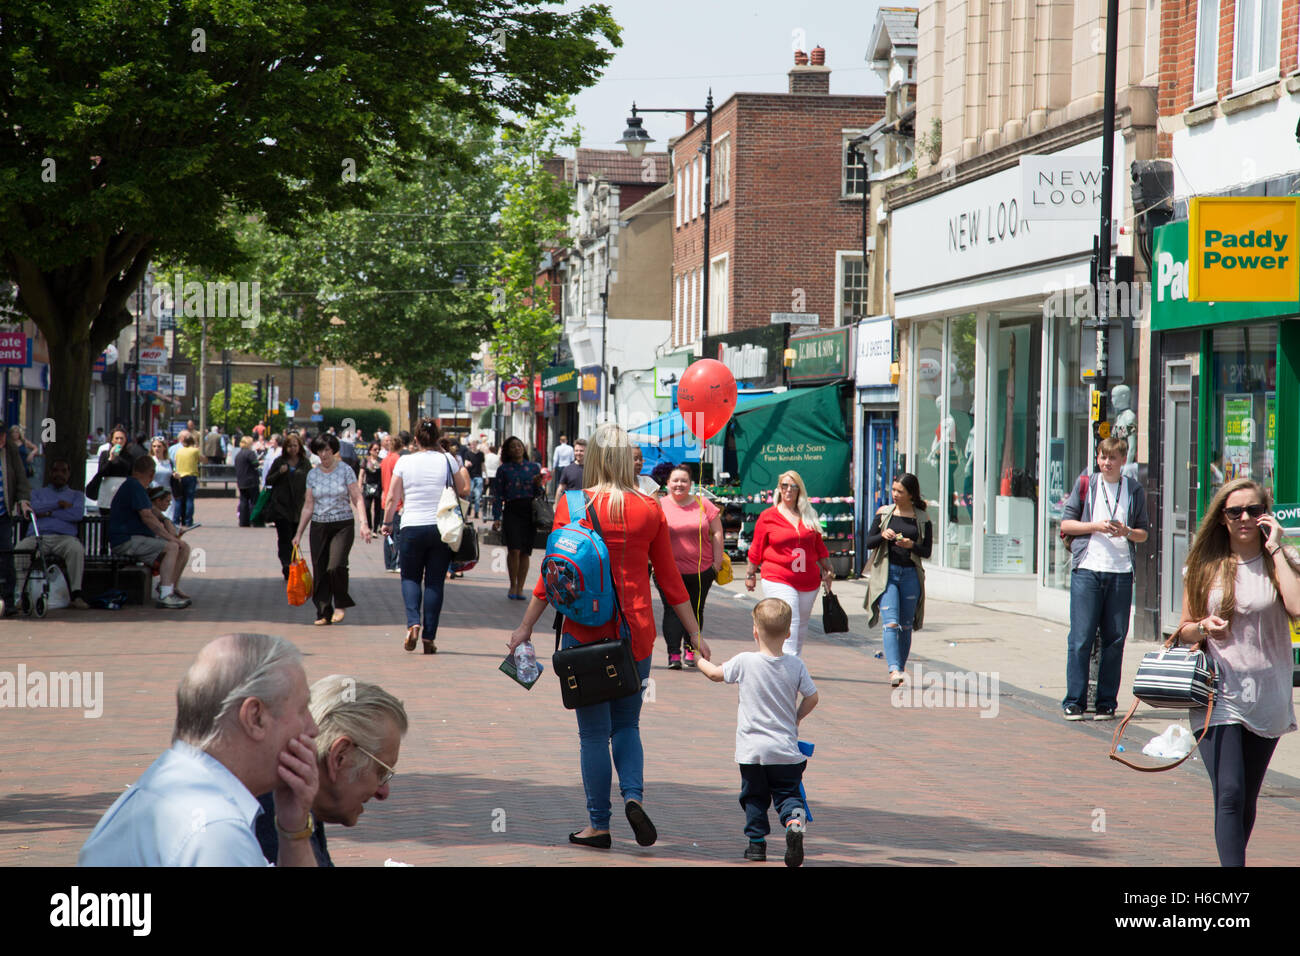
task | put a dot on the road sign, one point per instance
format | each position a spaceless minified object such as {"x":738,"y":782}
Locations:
{"x":315,"y":408}
{"x":318,"y":418}
{"x":292,"y":405}
{"x":148,"y":383}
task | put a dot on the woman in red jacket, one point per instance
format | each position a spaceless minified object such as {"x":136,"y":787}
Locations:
{"x":788,"y":546}
{"x":635,"y":532}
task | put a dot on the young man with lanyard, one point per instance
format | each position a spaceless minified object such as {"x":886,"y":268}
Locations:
{"x":1101,"y":579}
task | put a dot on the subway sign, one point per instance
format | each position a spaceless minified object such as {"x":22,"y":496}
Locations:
{"x":1243,"y":248}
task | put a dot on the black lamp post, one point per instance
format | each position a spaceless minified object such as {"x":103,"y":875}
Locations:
{"x":636,"y":139}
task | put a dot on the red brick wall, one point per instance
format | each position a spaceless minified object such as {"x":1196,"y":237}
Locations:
{"x":1290,"y":36}
{"x":785,"y":219}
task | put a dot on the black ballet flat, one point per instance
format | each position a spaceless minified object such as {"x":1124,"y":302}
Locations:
{"x":602,"y":841}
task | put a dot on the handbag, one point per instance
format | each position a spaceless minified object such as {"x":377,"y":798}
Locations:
{"x":1183,"y":678}
{"x":602,"y":670}
{"x":543,"y":513}
{"x":299,"y":586}
{"x":451,"y":514}
{"x":834,"y":618}
{"x":725,"y":574}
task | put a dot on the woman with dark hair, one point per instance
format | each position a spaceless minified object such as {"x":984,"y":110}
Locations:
{"x":416,"y":487}
{"x":115,"y":463}
{"x":331,"y":499}
{"x":899,"y":538}
{"x":371,"y":483}
{"x":518,"y":482}
{"x":695,"y":529}
{"x":287,"y":479}
{"x":1241,"y":593}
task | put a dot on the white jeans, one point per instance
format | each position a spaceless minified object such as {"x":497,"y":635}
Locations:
{"x":801,"y":603}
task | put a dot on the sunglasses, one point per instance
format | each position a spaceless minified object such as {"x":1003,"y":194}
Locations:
{"x":1234,"y":514}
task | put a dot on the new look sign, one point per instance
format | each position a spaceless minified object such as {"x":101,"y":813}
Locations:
{"x":1243,"y":248}
{"x":1060,"y":187}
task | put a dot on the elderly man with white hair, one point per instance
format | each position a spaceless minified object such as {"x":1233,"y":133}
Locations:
{"x":243,"y":727}
{"x":361,"y":729}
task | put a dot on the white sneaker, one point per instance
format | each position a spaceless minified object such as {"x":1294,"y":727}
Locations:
{"x":172,"y":602}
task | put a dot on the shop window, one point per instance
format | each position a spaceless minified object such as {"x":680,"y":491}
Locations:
{"x":928,"y":439}
{"x":1243,"y":389}
{"x":853,"y":289}
{"x":1011,"y":495}
{"x":1207,"y":47}
{"x":1256,"y":42}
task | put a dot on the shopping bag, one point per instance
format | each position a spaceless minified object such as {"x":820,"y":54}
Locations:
{"x":258,"y":518}
{"x":450,"y":517}
{"x":300,"y":584}
{"x":543,"y":514}
{"x":834,"y":620}
{"x":725,"y":575}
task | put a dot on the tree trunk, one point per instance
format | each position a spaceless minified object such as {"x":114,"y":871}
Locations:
{"x":412,"y":409}
{"x":69,"y":412}
{"x":203,"y":381}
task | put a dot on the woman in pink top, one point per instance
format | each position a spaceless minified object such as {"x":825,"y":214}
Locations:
{"x":788,"y":546}
{"x":695,"y":529}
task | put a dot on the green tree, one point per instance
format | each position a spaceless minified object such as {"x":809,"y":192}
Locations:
{"x":138,"y":130}
{"x":533,"y":219}
{"x":245,"y":410}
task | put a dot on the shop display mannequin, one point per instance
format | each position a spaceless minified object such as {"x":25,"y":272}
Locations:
{"x":1125,"y":425}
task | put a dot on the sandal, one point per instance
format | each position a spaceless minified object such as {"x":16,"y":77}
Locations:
{"x":412,"y":636}
{"x":338,"y":616}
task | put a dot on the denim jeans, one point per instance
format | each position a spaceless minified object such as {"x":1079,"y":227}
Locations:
{"x":183,"y":507}
{"x":390,"y":550}
{"x":765,"y":785}
{"x":897,"y":611}
{"x":476,"y":494}
{"x":424,"y":560}
{"x":1099,"y":600}
{"x":613,"y":725}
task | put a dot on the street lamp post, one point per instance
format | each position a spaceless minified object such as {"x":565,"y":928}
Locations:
{"x":636,"y":139}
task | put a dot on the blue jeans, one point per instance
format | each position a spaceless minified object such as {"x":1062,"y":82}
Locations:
{"x":183,"y":506}
{"x":612,"y":725}
{"x":1099,"y":601}
{"x":390,"y":550}
{"x":897,"y":611}
{"x":475,"y":494}
{"x":424,"y":558}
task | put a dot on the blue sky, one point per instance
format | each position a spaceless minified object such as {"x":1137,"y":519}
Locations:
{"x":675,"y":50}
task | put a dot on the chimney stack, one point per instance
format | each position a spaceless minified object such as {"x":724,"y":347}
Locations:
{"x":813,"y":78}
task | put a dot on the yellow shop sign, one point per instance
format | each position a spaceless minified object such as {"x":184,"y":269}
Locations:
{"x":1243,"y":249}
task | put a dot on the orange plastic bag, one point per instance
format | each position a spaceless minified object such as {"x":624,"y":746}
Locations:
{"x":300,"y":585}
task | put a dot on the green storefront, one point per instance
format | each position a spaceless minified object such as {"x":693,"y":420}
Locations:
{"x":1225,"y":403}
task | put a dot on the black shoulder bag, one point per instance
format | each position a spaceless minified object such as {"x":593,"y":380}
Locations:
{"x":466,"y":556}
{"x":602,"y":670}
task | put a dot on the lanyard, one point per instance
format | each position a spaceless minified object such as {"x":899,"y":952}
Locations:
{"x":1106,"y":494}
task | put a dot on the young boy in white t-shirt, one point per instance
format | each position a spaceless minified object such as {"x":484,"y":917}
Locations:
{"x":767,"y":729}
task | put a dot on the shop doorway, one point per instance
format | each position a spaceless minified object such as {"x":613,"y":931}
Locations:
{"x":880,"y":432}
{"x":1176,"y":520}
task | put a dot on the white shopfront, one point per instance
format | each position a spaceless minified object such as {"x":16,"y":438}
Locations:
{"x":996,"y":425}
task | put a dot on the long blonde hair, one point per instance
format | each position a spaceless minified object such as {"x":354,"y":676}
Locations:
{"x":1211,"y":561}
{"x":802,"y":505}
{"x":608,"y":468}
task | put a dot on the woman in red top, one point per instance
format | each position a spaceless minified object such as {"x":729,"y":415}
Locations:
{"x":635,"y":531}
{"x":788,"y":546}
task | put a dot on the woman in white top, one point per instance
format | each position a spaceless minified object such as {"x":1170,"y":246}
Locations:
{"x":416,"y":487}
{"x":332,"y":498}
{"x":1242,"y":589}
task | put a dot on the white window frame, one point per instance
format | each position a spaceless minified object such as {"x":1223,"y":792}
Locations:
{"x":698,"y":209}
{"x":718,"y":289}
{"x":840,"y":256}
{"x":1257,"y":77}
{"x":677,"y":311}
{"x":721,"y":158}
{"x":845,"y":136}
{"x":681,"y":177}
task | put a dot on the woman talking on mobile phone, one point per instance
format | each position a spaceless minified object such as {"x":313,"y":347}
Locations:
{"x":1241,"y":591}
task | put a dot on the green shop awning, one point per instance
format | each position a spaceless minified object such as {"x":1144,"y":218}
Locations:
{"x":560,"y":378}
{"x":798,"y":430}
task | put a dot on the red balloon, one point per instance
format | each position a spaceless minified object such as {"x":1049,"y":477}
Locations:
{"x":706,"y":397}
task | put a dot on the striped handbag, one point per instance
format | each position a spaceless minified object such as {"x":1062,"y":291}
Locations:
{"x":1177,"y":677}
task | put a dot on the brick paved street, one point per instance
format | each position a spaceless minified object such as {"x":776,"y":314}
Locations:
{"x":888,"y":785}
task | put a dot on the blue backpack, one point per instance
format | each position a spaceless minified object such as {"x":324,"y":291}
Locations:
{"x":575,"y":571}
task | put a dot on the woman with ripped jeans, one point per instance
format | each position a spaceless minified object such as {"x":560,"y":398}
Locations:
{"x":900,"y":536}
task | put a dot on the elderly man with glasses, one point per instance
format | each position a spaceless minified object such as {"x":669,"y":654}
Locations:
{"x":360,"y":732}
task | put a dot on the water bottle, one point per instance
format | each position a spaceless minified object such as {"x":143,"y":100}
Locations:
{"x":526,"y":663}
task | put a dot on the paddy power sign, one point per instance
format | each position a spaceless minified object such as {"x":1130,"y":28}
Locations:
{"x":1243,"y":249}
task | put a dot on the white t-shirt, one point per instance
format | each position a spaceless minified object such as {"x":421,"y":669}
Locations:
{"x":767,"y":728}
{"x":1106,"y":553}
{"x":424,"y":476}
{"x":491,"y":462}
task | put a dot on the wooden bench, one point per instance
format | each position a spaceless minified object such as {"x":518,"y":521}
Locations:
{"x":92,"y":532}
